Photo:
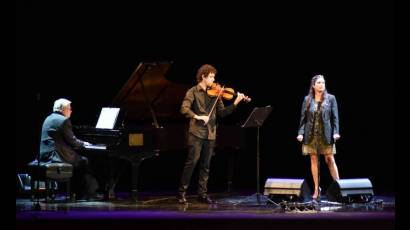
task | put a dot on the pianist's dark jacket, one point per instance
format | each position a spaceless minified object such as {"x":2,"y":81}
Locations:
{"x":58,"y":140}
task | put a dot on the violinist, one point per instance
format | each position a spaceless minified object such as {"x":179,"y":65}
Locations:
{"x":202,"y":104}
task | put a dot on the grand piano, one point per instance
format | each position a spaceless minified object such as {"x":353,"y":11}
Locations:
{"x":149,"y":123}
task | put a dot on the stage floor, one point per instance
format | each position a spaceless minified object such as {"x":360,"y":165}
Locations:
{"x":231,"y":210}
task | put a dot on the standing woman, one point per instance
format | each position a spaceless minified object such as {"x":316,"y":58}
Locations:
{"x":319,"y":129}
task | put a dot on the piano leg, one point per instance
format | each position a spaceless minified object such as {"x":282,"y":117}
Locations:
{"x":231,"y":159}
{"x":135,"y":165}
{"x":116,"y":167}
{"x":112,"y":182}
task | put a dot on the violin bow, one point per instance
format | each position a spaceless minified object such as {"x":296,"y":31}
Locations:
{"x":219,"y":95}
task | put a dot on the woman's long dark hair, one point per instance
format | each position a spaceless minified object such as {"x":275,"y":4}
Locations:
{"x":311,"y":94}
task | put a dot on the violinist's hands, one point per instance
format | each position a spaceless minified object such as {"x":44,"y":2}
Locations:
{"x":300,"y":138}
{"x":239,"y":98}
{"x":247,"y":99}
{"x":203,"y":118}
{"x":336,"y":136}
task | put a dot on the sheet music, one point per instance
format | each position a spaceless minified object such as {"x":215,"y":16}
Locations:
{"x":108,"y":117}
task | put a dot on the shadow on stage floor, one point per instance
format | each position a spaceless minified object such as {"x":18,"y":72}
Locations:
{"x":230,"y":211}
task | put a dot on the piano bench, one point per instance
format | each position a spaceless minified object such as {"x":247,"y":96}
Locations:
{"x":50,"y":174}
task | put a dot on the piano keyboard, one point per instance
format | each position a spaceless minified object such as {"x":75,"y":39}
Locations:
{"x":98,"y":147}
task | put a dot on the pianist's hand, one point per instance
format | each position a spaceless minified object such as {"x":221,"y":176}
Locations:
{"x":87,"y":143}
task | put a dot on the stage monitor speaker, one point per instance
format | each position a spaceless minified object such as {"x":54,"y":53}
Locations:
{"x":282,"y":189}
{"x":350,"y":191}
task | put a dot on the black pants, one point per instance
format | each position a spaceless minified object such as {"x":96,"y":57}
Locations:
{"x":84,"y":183}
{"x":199,"y":149}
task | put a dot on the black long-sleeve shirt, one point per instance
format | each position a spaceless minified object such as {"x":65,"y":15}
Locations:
{"x":198,"y":102}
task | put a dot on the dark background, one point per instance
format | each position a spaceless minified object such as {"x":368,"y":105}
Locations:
{"x":86,"y":51}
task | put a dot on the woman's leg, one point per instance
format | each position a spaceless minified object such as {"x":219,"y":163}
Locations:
{"x":315,"y":175}
{"x":331,"y":164}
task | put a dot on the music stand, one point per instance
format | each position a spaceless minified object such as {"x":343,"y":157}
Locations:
{"x":256,"y":119}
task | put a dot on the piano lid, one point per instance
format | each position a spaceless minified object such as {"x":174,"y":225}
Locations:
{"x":148,"y":95}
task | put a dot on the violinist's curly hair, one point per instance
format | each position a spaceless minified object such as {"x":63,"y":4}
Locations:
{"x":204,"y":70}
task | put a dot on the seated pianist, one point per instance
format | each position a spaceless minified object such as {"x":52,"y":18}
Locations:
{"x":59,"y":144}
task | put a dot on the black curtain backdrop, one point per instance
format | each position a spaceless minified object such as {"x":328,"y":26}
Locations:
{"x":86,"y":51}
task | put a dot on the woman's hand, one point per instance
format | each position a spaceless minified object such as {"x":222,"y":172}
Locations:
{"x":300,"y":138}
{"x":336,"y":136}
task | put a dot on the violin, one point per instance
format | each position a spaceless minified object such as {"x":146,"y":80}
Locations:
{"x":227,"y":93}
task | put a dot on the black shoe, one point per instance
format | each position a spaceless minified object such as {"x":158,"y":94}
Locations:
{"x":181,"y":198}
{"x":74,"y":197}
{"x":204,"y":199}
{"x":109,"y":195}
{"x":94,"y":197}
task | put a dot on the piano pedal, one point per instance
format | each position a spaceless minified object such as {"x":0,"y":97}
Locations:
{"x":134,"y":195}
